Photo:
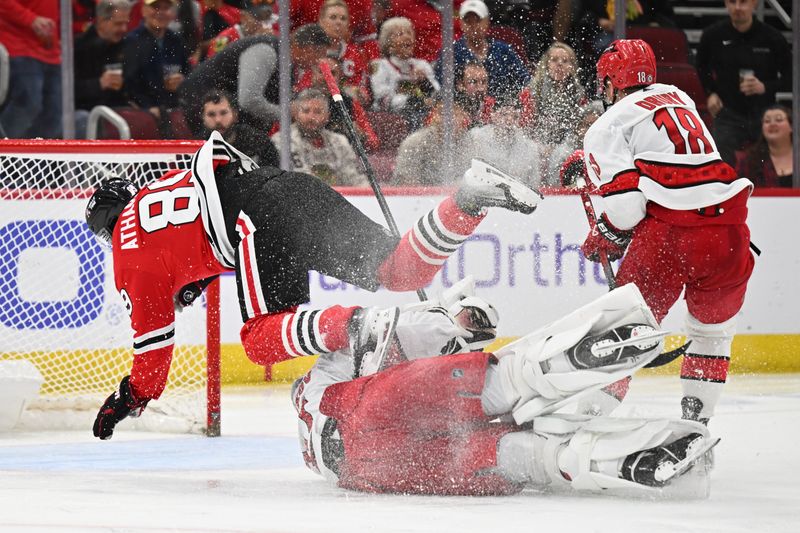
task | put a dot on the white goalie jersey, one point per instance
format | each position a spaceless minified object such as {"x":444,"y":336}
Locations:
{"x":653,"y":146}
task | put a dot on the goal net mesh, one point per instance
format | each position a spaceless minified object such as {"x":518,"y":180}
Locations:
{"x":59,"y":308}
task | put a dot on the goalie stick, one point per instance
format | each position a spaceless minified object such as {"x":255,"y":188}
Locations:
{"x":333,"y":87}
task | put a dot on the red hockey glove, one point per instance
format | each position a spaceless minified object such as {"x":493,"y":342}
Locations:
{"x":120,"y":404}
{"x":604,"y":237}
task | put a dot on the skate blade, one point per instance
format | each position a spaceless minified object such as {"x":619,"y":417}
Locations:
{"x":633,"y":341}
{"x":682,"y":466}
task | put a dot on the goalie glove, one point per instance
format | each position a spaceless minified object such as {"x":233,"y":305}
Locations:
{"x":605,"y":237}
{"x":120,"y":404}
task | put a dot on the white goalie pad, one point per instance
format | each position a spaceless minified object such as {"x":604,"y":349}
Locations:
{"x":542,"y":387}
{"x":19,"y":383}
{"x":598,"y":445}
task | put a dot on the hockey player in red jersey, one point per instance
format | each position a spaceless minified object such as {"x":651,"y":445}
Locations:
{"x":271,"y":227}
{"x":667,"y":192}
{"x":476,"y":423}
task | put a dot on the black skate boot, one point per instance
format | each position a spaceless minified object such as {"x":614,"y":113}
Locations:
{"x":615,"y":346}
{"x":487,"y":186}
{"x":657,"y":466}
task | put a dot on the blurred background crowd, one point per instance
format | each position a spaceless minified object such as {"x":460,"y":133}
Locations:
{"x":523,"y":78}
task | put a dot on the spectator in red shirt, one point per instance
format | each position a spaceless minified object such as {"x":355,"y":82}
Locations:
{"x":307,"y":11}
{"x":30,"y":33}
{"x":334,"y":19}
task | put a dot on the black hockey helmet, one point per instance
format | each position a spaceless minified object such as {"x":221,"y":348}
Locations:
{"x":106,"y":204}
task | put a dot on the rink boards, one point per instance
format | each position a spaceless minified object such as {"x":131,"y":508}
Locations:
{"x":529,"y":267}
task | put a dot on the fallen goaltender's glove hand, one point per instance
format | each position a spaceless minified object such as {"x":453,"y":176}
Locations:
{"x":605,"y":237}
{"x":120,"y":404}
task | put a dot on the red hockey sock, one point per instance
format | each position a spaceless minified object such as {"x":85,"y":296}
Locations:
{"x":276,"y":337}
{"x":426,"y":246}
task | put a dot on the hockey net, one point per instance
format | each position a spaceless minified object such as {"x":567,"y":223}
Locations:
{"x":59,"y":308}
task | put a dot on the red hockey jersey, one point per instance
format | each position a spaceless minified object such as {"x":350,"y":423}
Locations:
{"x":170,"y":234}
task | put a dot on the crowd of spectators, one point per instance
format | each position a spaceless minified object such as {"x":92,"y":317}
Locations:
{"x":522,"y":104}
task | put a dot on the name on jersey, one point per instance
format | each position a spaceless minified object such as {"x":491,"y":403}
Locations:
{"x":657,"y":100}
{"x":127,"y":227}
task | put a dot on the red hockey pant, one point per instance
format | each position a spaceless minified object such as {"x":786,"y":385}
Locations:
{"x":712,"y":262}
{"x":419,"y":428}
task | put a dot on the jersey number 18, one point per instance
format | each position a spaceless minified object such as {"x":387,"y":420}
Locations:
{"x":687,"y":127}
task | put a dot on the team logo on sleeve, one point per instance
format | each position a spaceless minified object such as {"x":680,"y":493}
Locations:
{"x":594,"y":165}
{"x":126,"y":300}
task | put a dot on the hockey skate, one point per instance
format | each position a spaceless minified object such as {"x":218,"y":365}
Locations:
{"x":372,"y":330}
{"x":487,"y":186}
{"x":592,"y":347}
{"x":612,"y":347}
{"x":654,"y":458}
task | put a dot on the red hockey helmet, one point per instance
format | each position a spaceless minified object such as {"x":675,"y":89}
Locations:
{"x":627,"y":63}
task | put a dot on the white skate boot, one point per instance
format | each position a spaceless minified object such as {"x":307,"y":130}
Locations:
{"x":487,"y":186}
{"x":371,"y":330}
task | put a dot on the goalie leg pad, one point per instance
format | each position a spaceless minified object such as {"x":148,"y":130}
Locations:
{"x":537,"y":372}
{"x":620,"y":453}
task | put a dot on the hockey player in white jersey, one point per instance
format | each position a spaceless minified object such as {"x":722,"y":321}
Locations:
{"x":667,"y":192}
{"x":472,"y":423}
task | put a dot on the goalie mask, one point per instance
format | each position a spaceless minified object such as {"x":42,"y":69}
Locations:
{"x":106,"y":204}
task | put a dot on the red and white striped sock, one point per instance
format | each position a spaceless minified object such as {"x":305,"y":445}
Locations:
{"x":426,"y":246}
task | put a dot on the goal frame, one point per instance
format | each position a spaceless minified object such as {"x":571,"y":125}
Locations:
{"x":30,"y":147}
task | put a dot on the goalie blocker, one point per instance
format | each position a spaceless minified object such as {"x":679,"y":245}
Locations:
{"x":429,"y":425}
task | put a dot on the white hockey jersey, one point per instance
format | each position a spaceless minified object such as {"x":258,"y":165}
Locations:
{"x":653,"y":146}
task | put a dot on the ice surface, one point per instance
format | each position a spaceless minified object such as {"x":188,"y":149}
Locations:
{"x":253,"y":479}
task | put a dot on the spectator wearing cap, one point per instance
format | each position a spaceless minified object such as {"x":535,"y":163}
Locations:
{"x":155,"y":61}
{"x":317,"y":150}
{"x":507,"y":72}
{"x":504,"y":144}
{"x":421,"y":159}
{"x":247,"y":69}
{"x":402,"y":83}
{"x":29,"y":32}
{"x":472,"y":86}
{"x":255,"y":19}
{"x":219,"y":114}
{"x":98,"y":61}
{"x":334,"y":18}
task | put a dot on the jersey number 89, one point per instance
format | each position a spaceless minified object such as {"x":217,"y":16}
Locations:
{"x":163,"y":207}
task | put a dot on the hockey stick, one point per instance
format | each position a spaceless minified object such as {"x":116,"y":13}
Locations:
{"x":592,"y":218}
{"x":333,"y":87}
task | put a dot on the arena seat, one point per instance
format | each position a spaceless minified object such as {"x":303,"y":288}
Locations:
{"x":669,"y":44}
{"x":390,"y":128}
{"x":143,"y":125}
{"x":180,"y":128}
{"x":382,"y":164}
{"x":685,"y":77}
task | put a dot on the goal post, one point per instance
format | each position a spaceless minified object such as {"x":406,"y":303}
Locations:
{"x":59,"y":308}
